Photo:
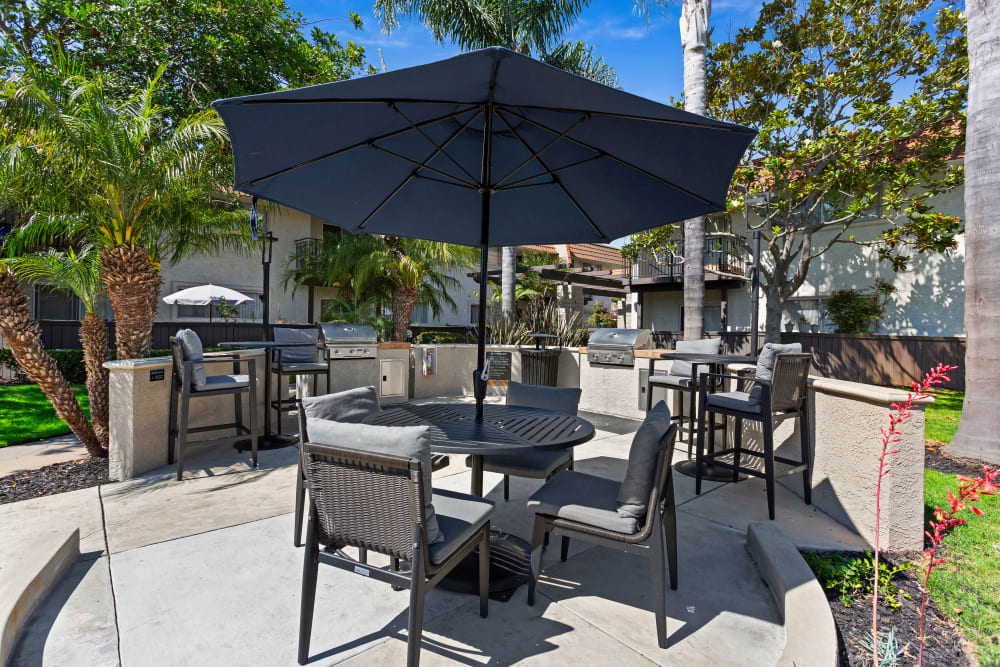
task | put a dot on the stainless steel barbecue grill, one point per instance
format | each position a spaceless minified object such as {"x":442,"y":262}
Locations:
{"x":616,"y":347}
{"x":349,"y":341}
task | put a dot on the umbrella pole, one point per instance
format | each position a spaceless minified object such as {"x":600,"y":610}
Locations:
{"x":479,"y":382}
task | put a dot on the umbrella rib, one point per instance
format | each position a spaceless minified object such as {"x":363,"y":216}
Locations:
{"x":456,"y":180}
{"x":434,"y":143}
{"x":415,"y":173}
{"x":665,"y":121}
{"x":361,"y":100}
{"x":516,"y":184}
{"x":555,"y":179}
{"x":536,"y":153}
{"x":388,"y":135}
{"x":622,"y":162}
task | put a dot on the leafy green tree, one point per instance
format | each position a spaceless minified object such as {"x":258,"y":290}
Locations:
{"x":530,"y":27}
{"x":854,"y":101}
{"x":80,"y":274}
{"x":118,"y":175}
{"x":213,"y":49}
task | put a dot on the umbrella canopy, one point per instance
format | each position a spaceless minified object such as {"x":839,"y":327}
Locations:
{"x":489,"y":148}
{"x":206,"y":295}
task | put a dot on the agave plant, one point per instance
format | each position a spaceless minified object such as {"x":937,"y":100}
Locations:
{"x":543,"y":316}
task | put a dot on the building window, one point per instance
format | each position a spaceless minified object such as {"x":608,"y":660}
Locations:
{"x":712,"y":318}
{"x":56,"y":304}
{"x":803,"y":314}
{"x":420,"y":314}
{"x":474,"y":313}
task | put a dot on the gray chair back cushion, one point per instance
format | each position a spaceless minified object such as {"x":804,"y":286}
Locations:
{"x":641,"y":473}
{"x":703,"y":346}
{"x":297,"y":355}
{"x":409,"y":441}
{"x":193,"y":351}
{"x":351,"y":406}
{"x":560,"y":399}
{"x":765,"y":365}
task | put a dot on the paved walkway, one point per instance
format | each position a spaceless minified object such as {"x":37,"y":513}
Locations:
{"x":34,"y":455}
{"x":203,"y":572}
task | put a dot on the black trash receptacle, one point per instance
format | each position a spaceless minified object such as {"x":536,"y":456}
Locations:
{"x":540,"y":367}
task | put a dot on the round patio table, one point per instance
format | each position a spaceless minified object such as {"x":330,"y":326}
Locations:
{"x":505,"y":428}
{"x":716,"y":361}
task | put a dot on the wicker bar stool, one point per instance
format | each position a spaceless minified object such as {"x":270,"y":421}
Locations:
{"x":378,"y":502}
{"x":783,"y":396}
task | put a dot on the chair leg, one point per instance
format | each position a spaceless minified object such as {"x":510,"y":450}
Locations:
{"x":310,"y":569}
{"x":658,"y":566}
{"x":362,"y":555}
{"x":699,"y":450}
{"x":172,"y":425}
{"x":670,"y":537}
{"x":564,"y":550}
{"x":182,"y":422}
{"x":737,"y":445}
{"x":252,"y":400}
{"x":806,"y":454}
{"x":415,"y":626}
{"x":769,"y":463}
{"x":506,"y":488}
{"x":537,"y":537}
{"x":300,"y":498}
{"x":484,"y":573}
{"x":282,"y":390}
{"x":394,"y":566}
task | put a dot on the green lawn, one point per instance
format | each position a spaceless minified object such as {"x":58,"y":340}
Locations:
{"x":942,"y":416}
{"x":967,"y":586}
{"x":26,"y":414}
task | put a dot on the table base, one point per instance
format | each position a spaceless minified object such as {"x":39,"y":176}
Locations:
{"x":265,"y":443}
{"x":509,"y":568}
{"x":709,"y":472}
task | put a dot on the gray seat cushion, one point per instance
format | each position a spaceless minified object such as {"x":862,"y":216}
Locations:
{"x":560,"y":399}
{"x":459,"y":516}
{"x":193,"y":351}
{"x":633,"y":495}
{"x":300,"y":367}
{"x":674,"y":381}
{"x":213,"y":382}
{"x":409,"y":441}
{"x":587,"y":499}
{"x":704,"y":346}
{"x":293,"y":355}
{"x":734,"y":400}
{"x":765,"y":365}
{"x":352,"y":405}
{"x":534,"y":463}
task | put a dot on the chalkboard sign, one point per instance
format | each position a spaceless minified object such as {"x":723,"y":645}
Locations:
{"x":499,"y":365}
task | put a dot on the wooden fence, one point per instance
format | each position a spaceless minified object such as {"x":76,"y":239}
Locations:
{"x":884,"y":360}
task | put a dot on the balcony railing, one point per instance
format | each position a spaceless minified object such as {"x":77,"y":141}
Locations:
{"x":725,"y":257}
{"x":305,"y":249}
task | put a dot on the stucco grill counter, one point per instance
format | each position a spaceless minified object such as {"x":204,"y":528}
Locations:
{"x":616,"y":347}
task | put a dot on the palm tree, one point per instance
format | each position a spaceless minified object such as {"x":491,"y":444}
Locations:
{"x":22,"y":333}
{"x":80,"y":274}
{"x":526,"y":26}
{"x":977,"y":435}
{"x":114,"y":174}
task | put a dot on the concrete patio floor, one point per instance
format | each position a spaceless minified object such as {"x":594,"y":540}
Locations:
{"x":203,"y":572}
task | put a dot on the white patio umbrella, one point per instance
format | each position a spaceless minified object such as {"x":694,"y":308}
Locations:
{"x":206,"y":295}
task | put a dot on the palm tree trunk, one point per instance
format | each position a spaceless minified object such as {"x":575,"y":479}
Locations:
{"x":22,"y":333}
{"x":977,"y":435}
{"x":402,"y":307}
{"x":508,"y":280}
{"x":694,"y":38}
{"x":94,"y":339}
{"x":134,"y":291}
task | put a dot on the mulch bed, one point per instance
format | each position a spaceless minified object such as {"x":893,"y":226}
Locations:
{"x":936,"y":457}
{"x":52,"y":479}
{"x":944,"y":646}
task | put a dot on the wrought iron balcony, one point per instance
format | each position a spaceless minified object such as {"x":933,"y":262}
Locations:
{"x":725,"y":259}
{"x":305,"y":249}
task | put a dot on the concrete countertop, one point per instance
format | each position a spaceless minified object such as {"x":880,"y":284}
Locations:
{"x":154,"y":362}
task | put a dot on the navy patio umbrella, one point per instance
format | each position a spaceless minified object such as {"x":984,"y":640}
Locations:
{"x":489,"y":148}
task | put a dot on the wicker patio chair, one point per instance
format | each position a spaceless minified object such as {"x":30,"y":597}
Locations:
{"x":376,"y":502}
{"x":190,"y":381}
{"x":350,"y":406}
{"x":784,"y":396}
{"x":534,"y":463}
{"x":584,"y":507}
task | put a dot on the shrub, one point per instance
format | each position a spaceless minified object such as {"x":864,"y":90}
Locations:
{"x":600,"y":318}
{"x":852,"y":577}
{"x":440,"y":337}
{"x":70,"y":362}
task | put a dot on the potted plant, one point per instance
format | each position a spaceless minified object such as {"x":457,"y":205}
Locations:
{"x":803,"y":324}
{"x":789,"y":326}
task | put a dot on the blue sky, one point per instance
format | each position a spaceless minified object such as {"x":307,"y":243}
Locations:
{"x":648,"y":61}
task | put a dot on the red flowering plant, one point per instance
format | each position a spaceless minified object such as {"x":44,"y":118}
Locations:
{"x":890,"y":436}
{"x":969,"y":492}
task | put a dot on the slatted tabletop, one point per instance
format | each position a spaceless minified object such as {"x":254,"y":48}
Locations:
{"x":453,"y":427}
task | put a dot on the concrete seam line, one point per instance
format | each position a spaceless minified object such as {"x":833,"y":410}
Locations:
{"x":598,"y":628}
{"x":204,"y":532}
{"x":111,"y":578}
